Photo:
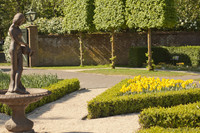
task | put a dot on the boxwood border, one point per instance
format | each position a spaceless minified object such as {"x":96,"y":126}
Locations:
{"x":58,"y":90}
{"x":111,"y":103}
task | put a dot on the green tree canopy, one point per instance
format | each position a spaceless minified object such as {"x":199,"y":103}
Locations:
{"x":48,"y":8}
{"x":150,"y":14}
{"x":109,"y":14}
{"x":78,"y":15}
{"x":188,"y":14}
{"x":8,"y":8}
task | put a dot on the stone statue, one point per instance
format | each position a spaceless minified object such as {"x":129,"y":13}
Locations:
{"x":17,"y":48}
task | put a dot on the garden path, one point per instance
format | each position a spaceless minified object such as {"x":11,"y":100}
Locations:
{"x":67,"y":114}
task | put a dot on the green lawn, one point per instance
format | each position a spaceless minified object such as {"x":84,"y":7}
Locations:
{"x":72,"y":67}
{"x":5,"y":64}
{"x":135,"y":72}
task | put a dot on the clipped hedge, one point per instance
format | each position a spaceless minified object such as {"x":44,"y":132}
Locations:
{"x":190,"y":55}
{"x":137,"y":56}
{"x":112,"y":103}
{"x":58,"y":90}
{"x":169,"y":130}
{"x":174,"y":117}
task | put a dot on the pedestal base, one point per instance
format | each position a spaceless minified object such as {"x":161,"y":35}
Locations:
{"x":19,"y":123}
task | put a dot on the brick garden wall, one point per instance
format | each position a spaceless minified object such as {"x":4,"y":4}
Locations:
{"x":64,"y":50}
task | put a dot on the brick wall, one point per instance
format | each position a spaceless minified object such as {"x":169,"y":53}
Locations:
{"x":64,"y":50}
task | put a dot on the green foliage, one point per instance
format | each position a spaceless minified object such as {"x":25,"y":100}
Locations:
{"x":188,"y":15}
{"x":109,"y":14}
{"x":50,"y":26}
{"x":4,"y":80}
{"x":137,"y":56}
{"x":8,"y":8}
{"x":29,"y":81}
{"x":147,"y":14}
{"x":38,"y":81}
{"x":48,"y":8}
{"x":6,"y":47}
{"x":112,"y":103}
{"x":170,"y":130}
{"x":58,"y":90}
{"x":190,"y":55}
{"x":78,"y":15}
{"x":177,"y":116}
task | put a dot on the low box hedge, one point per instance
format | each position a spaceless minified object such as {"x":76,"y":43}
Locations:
{"x":170,"y":130}
{"x":111,"y":103}
{"x":58,"y":90}
{"x":190,"y":55}
{"x":177,"y":116}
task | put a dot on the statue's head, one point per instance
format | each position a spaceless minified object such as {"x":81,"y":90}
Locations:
{"x":19,"y":19}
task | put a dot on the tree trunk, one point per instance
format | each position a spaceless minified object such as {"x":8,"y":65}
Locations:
{"x":150,"y":67}
{"x":112,"y":51}
{"x":81,"y":48}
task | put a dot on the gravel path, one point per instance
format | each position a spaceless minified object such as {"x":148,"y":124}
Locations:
{"x":66,"y":114}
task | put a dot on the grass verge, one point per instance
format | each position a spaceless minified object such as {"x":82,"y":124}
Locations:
{"x":136,"y":72}
{"x":72,"y":67}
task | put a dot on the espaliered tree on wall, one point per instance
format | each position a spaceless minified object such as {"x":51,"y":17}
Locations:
{"x":78,"y":17}
{"x":150,"y":14}
{"x":109,"y":16}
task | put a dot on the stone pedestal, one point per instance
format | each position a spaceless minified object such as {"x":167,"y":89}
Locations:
{"x":18,"y":103}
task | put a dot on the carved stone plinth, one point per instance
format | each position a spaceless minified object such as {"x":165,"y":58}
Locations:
{"x":18,"y":103}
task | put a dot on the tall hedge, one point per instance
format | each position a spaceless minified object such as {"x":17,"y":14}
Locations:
{"x":189,"y":55}
{"x":109,"y":16}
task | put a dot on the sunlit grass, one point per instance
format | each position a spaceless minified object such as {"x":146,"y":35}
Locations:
{"x":71,"y":67}
{"x":5,"y":64}
{"x":136,"y":72}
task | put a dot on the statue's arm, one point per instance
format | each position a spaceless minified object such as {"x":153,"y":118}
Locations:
{"x":17,"y":38}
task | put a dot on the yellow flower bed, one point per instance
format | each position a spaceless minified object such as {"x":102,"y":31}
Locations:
{"x":143,"y":85}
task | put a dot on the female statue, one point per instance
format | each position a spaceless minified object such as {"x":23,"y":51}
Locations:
{"x":17,"y":47}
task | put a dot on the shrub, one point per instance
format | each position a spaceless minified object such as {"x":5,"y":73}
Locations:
{"x":177,"y":116}
{"x":190,"y":55}
{"x":6,"y":47}
{"x":170,"y":130}
{"x":58,"y":90}
{"x":50,"y":26}
{"x":137,"y":55}
{"x":112,"y":103}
